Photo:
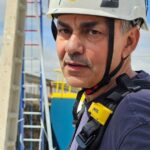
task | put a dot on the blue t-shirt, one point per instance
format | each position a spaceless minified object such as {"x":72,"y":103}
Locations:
{"x":129,"y":127}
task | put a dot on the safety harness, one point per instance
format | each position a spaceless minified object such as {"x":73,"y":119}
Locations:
{"x":101,"y":112}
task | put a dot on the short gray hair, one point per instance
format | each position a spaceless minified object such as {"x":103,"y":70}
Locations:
{"x":126,"y":26}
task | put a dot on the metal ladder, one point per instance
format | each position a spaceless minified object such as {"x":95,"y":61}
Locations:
{"x":34,"y":111}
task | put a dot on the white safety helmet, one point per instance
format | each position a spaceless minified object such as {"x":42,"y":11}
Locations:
{"x":120,"y":9}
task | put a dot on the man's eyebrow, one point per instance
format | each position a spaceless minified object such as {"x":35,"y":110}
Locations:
{"x":89,"y":24}
{"x":59,"y":22}
{"x":82,"y":25}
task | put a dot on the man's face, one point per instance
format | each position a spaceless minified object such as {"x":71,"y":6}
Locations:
{"x":82,"y":46}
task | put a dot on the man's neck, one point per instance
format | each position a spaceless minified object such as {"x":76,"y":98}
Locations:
{"x":111,"y":84}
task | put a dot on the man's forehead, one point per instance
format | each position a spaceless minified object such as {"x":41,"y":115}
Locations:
{"x":82,"y":19}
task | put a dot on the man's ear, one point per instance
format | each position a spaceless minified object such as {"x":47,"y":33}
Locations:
{"x":132,"y":38}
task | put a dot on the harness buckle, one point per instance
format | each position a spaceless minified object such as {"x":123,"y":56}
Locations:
{"x":135,"y":88}
{"x":88,"y":134}
{"x":83,"y":141}
{"x":127,"y":83}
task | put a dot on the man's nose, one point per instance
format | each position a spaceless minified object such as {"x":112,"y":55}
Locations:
{"x":74,"y":45}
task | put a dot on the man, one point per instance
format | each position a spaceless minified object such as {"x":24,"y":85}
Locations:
{"x":94,"y":41}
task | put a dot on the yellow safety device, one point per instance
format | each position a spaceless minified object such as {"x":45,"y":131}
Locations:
{"x":99,"y":112}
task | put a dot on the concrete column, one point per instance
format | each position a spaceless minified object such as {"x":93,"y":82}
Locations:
{"x":10,"y":72}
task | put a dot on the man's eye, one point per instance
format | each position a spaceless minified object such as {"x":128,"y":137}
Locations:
{"x":93,"y":35}
{"x":63,"y":31}
{"x":93,"y":32}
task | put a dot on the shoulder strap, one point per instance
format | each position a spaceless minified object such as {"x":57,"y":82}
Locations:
{"x":77,"y":115}
{"x":143,"y":84}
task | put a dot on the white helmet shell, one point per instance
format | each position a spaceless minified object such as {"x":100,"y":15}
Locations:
{"x":120,"y":9}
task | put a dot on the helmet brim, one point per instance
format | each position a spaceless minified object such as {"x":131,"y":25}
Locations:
{"x":91,"y":12}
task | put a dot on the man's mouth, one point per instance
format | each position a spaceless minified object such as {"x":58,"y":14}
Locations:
{"x":75,"y":64}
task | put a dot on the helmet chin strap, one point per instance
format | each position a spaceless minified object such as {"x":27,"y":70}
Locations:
{"x":53,"y":28}
{"x":107,"y":76}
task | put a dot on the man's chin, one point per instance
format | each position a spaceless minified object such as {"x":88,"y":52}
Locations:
{"x":75,"y":83}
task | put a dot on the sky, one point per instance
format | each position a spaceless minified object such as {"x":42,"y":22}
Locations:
{"x":2,"y":12}
{"x":141,"y":57}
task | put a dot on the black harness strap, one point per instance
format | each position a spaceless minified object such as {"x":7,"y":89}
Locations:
{"x":76,"y":115}
{"x":143,"y":84}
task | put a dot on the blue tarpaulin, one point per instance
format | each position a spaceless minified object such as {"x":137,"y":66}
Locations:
{"x":61,"y":118}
